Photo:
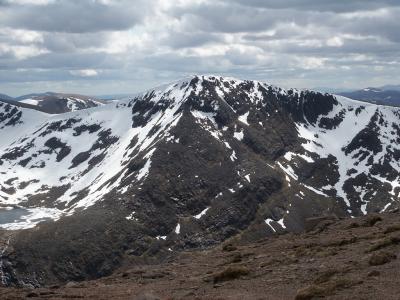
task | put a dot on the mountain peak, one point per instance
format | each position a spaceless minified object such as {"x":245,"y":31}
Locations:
{"x":189,"y":165}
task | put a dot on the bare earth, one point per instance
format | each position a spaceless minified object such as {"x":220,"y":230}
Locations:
{"x":337,"y":259}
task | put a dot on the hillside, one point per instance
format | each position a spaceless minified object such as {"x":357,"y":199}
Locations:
{"x":185,"y":166}
{"x":335,"y":259}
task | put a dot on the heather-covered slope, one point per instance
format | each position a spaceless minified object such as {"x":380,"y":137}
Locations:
{"x":334,"y":259}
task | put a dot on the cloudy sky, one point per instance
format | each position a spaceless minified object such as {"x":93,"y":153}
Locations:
{"x":118,"y":46}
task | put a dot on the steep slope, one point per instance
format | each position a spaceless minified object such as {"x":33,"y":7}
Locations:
{"x":376,"y":95}
{"x":188,"y":165}
{"x":56,"y":103}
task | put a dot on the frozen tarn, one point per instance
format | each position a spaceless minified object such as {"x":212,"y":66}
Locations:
{"x":31,"y":217}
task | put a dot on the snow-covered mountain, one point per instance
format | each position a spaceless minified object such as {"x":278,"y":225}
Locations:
{"x":56,"y":103}
{"x":189,"y":165}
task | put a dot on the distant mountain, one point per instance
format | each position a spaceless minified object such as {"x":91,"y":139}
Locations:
{"x":56,"y":103}
{"x":375,"y":95}
{"x":183,"y":166}
{"x":21,"y":104}
{"x":5,"y":97}
{"x":114,"y":96}
{"x":27,"y":96}
{"x":391,"y":87}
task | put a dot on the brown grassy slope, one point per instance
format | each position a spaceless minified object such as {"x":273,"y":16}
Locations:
{"x":344,"y":259}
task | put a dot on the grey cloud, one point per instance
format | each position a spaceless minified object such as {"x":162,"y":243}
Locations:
{"x":71,"y":42}
{"x":76,"y":16}
{"x":136,"y":44}
{"x":318,"y":5}
{"x":64,"y":61}
{"x":227,"y":18}
{"x":180,"y":40}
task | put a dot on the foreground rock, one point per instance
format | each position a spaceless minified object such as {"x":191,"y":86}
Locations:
{"x":347,"y":259}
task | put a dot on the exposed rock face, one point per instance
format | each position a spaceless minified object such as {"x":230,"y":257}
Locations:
{"x":184,"y":166}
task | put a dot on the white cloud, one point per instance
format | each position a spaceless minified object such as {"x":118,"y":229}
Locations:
{"x":21,"y":35}
{"x":335,"y":42}
{"x":21,"y":52}
{"x":310,"y":63}
{"x":85,"y":73}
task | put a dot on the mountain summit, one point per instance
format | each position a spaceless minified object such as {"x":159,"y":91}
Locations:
{"x":186,"y":165}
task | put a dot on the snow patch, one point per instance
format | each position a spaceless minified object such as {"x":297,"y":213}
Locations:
{"x":238,"y":135}
{"x":202,"y":213}
{"x":243,"y":118}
